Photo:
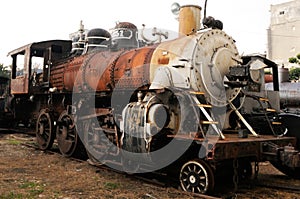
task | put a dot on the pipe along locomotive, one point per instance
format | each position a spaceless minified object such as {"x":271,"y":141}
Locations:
{"x":190,"y":107}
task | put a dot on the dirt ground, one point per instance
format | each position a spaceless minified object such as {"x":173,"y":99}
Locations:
{"x":29,"y":173}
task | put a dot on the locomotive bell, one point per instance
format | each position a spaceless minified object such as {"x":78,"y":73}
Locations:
{"x":189,"y":19}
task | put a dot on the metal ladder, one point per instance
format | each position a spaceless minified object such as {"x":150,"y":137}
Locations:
{"x":214,"y":123}
{"x":209,"y":118}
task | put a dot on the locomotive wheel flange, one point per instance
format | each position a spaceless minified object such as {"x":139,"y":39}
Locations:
{"x":196,"y":176}
{"x":68,"y":141}
{"x":44,"y":130}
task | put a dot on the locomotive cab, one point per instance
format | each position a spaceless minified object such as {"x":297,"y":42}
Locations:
{"x":31,"y":64}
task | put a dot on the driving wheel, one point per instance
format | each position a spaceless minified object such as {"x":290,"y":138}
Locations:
{"x":44,"y":130}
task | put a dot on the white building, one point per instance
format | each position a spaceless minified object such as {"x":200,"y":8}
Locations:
{"x":284,"y":32}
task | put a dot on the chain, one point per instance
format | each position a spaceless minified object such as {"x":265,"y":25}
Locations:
{"x":256,"y":170}
{"x":235,"y":174}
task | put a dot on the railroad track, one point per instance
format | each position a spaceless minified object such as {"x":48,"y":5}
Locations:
{"x":18,"y":130}
{"x":273,"y":183}
{"x":276,"y":186}
{"x":267,"y":181}
{"x":154,"y":180}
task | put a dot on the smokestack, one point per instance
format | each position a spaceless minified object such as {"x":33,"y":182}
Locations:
{"x":189,"y":19}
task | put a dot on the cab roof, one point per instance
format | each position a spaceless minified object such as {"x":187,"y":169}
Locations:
{"x":65,"y":44}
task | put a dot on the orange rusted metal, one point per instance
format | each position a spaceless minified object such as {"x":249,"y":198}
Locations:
{"x":132,"y":69}
{"x":96,"y":71}
{"x":104,"y":71}
{"x":19,"y":85}
{"x":70,"y":74}
{"x":189,"y":19}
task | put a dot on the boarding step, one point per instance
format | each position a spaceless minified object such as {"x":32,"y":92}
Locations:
{"x":197,"y":93}
{"x":276,"y":123}
{"x":271,"y":110}
{"x":209,"y":122}
{"x":204,"y":105}
{"x":263,"y":99}
{"x":208,"y":116}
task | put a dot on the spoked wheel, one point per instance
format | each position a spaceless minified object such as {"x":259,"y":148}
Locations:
{"x":95,"y":141}
{"x":196,"y":176}
{"x":68,"y":140}
{"x":44,"y":130}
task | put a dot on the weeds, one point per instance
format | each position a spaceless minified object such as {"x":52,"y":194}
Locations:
{"x":14,"y":142}
{"x":34,"y":189}
{"x":111,"y":185}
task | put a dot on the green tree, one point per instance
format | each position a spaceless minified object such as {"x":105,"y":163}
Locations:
{"x":295,"y":60}
{"x":294,"y":74}
{"x":4,"y":71}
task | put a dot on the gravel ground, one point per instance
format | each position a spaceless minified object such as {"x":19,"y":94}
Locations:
{"x":29,"y":173}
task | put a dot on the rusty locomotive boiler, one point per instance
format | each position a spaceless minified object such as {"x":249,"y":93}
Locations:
{"x":190,"y":107}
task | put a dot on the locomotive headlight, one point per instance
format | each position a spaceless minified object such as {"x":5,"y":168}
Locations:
{"x":158,"y":116}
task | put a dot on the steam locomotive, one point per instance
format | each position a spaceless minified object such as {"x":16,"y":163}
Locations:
{"x":4,"y":83}
{"x":190,"y":107}
{"x":289,"y":101}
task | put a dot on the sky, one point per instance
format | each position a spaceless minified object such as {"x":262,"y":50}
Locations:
{"x":23,"y":22}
